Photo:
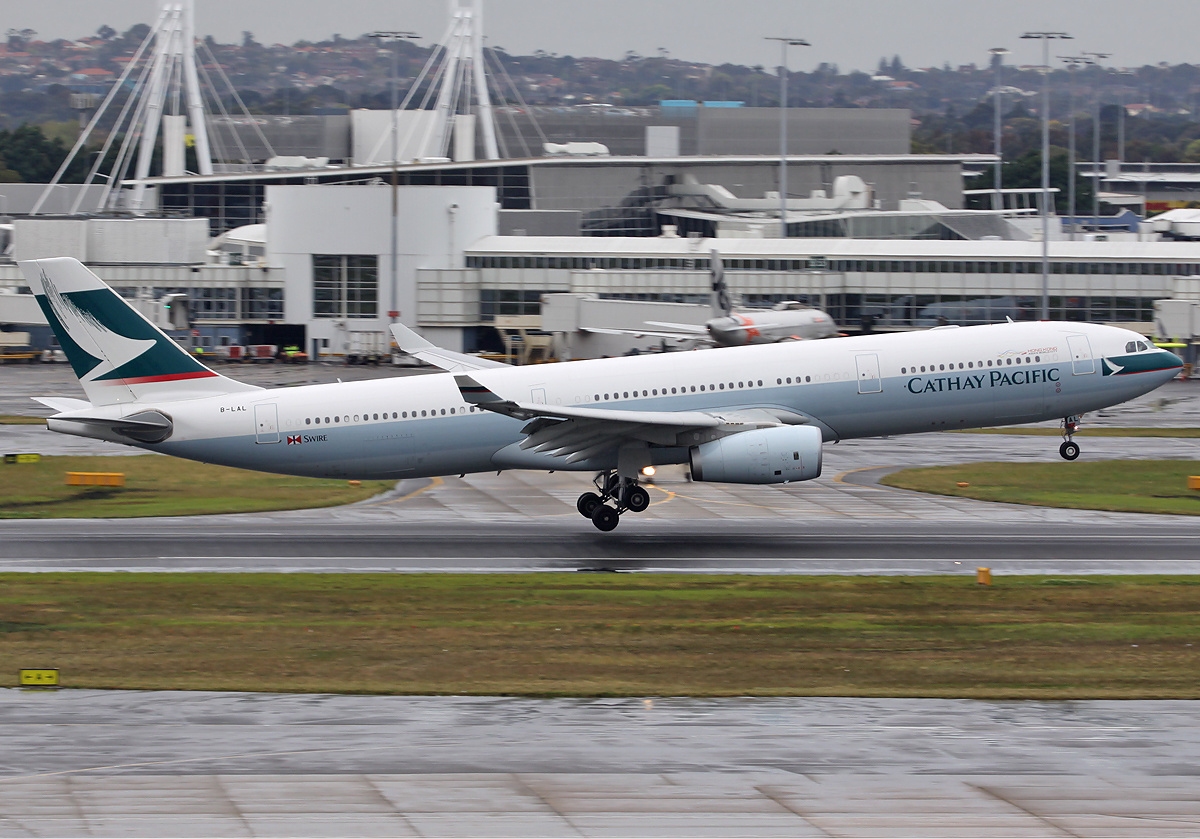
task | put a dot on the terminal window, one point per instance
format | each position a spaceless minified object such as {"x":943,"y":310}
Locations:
{"x":345,"y":286}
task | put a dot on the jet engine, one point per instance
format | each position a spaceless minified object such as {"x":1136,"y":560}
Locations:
{"x":765,"y":456}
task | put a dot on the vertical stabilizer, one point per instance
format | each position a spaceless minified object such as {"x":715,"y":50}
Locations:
{"x":721,"y":306}
{"x":118,"y":355}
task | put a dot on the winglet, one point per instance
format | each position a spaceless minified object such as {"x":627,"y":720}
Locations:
{"x":473,"y":393}
{"x":413,"y":344}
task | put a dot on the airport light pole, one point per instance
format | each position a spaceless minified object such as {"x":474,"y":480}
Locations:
{"x":784,"y":43}
{"x":998,"y":54}
{"x":1073,"y":62}
{"x":394,"y":38}
{"x":1046,"y":38}
{"x":1096,"y":57}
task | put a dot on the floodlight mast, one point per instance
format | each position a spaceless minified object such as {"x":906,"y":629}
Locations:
{"x":998,"y":54}
{"x":394,"y":38}
{"x":1073,"y":62}
{"x":784,"y":43}
{"x":1096,"y":57}
{"x":1046,"y":38}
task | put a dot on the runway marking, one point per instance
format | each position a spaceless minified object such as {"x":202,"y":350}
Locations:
{"x":433,"y":484}
{"x":670,"y":495}
{"x":840,"y":477}
{"x":10,"y":778}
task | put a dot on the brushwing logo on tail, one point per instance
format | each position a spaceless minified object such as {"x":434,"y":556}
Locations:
{"x":107,"y":341}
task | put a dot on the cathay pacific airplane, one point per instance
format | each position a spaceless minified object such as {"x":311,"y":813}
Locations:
{"x":751,"y":415}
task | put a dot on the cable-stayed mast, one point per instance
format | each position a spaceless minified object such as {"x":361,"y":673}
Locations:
{"x":164,"y":96}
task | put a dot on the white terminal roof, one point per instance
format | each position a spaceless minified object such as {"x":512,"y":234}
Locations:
{"x":386,"y":168}
{"x":668,"y":248}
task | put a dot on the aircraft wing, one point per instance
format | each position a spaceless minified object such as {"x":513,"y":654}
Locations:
{"x":576,"y":434}
{"x":646,"y":333}
{"x":452,"y":362}
{"x":686,"y":328}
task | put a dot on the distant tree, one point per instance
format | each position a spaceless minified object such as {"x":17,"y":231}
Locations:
{"x":18,"y":39}
{"x":882,"y":69}
{"x":897,"y":67}
{"x":136,"y":33}
{"x":33,"y":157}
{"x":106,"y":32}
{"x":248,"y":39}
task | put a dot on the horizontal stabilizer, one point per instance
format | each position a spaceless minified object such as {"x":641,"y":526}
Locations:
{"x":62,"y":403}
{"x":413,"y":344}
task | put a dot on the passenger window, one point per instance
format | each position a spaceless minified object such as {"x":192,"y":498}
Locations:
{"x":779,"y":381}
{"x":308,"y":421}
{"x":971,"y":364}
{"x":443,"y":412}
{"x":694,"y":388}
{"x":451,"y":411}
{"x":625,"y":395}
{"x":989,"y":362}
{"x":1038,"y":359}
{"x":405,"y":415}
{"x":597,"y":397}
{"x":722,"y":385}
{"x":422,"y":413}
{"x":922,"y":368}
{"x":672,"y":390}
{"x":701,"y":387}
{"x":789,"y":380}
{"x":808,"y":378}
{"x":1008,"y":361}
{"x":760,"y":382}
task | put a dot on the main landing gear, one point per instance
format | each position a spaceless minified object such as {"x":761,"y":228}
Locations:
{"x":626,"y":494}
{"x":1069,"y":449}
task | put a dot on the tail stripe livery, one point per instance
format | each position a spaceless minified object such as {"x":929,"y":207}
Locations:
{"x":118,"y":355}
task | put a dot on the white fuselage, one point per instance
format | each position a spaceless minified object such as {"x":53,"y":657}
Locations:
{"x":869,"y":386}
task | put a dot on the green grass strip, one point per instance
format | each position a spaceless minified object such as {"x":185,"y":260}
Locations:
{"x":1102,"y":431}
{"x":1130,"y":486}
{"x":162,"y":486}
{"x":609,"y":635}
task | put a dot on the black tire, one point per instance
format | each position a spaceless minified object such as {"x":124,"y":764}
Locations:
{"x":605,"y":518}
{"x":587,"y":504}
{"x":637,"y":499}
{"x":1069,"y":450}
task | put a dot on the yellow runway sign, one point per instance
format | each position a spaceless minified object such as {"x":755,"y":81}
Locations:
{"x":39,"y":678}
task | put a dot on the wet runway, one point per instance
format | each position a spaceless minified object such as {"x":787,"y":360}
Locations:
{"x":199,"y":764}
{"x":91,"y":763}
{"x":844,"y":522}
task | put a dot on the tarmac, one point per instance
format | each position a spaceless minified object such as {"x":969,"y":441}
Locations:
{"x":117,"y":763}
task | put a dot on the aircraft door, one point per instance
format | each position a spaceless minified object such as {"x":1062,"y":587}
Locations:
{"x":868,"y":373}
{"x":266,"y":423}
{"x":1082,"y":362}
{"x":539,"y":395}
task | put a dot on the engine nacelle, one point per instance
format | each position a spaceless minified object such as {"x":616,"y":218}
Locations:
{"x":766,"y":456}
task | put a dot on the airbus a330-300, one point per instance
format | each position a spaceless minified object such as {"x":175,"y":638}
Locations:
{"x":748,"y":415}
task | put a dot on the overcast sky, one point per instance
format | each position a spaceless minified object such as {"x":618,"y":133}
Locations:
{"x":853,"y":34}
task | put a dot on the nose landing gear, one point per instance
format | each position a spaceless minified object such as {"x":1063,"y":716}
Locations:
{"x":1069,"y":449}
{"x":626,"y":494}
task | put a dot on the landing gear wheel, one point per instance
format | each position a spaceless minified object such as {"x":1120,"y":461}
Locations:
{"x":637,"y":499}
{"x":587,"y":504}
{"x":605,"y":518}
{"x":1069,"y":450}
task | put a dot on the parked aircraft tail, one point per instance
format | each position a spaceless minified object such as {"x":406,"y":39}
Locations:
{"x":721,"y":305}
{"x":118,"y":355}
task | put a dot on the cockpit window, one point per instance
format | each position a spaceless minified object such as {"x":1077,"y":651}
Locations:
{"x":1141,"y":345}
{"x":1131,"y":346}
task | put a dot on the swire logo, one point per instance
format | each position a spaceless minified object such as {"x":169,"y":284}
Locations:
{"x":295,"y":439}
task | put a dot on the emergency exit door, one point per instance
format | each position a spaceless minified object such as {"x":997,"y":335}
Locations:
{"x":868,"y":373}
{"x":266,"y":423}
